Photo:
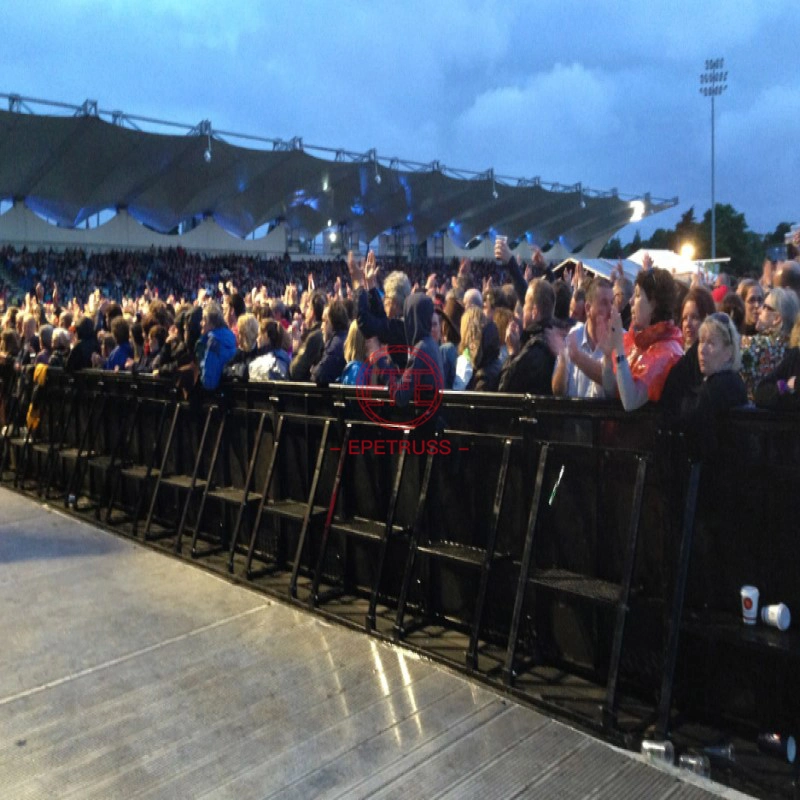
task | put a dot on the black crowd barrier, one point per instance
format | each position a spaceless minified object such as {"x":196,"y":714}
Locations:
{"x":564,"y":550}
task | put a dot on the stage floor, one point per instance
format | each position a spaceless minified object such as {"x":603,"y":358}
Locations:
{"x":125,"y":673}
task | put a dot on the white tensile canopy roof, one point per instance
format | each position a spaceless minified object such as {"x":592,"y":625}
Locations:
{"x":70,"y":168}
{"x":600,"y":266}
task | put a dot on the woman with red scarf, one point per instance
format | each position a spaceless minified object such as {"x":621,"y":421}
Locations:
{"x":636,"y":363}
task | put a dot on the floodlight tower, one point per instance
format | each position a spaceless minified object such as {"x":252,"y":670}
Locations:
{"x":713,"y":82}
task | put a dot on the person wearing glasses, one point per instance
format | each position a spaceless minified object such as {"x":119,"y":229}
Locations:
{"x":763,"y":351}
{"x":780,"y":390}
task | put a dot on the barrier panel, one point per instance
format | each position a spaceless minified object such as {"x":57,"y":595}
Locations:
{"x":564,"y":550}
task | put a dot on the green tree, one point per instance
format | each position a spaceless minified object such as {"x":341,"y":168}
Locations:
{"x":686,"y":231}
{"x":661,"y":239}
{"x":633,"y":246}
{"x":744,"y":248}
{"x":778,"y":236}
{"x":612,"y":249}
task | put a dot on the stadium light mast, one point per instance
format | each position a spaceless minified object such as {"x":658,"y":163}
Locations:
{"x":713,"y":82}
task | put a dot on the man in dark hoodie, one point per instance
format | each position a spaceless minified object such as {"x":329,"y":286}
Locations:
{"x":80,"y":357}
{"x":423,"y":375}
{"x":529,"y":366}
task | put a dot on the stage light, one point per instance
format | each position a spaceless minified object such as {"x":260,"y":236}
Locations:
{"x":377,"y":177}
{"x":637,"y":210}
{"x":330,"y":222}
{"x":332,"y":236}
{"x":207,"y":155}
{"x":687,"y":251}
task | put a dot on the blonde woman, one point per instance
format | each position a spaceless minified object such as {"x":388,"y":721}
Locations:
{"x":471,"y":328}
{"x":721,"y":387}
{"x":355,"y":353}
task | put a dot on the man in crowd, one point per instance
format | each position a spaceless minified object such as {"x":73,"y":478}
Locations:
{"x":579,"y":362}
{"x":308,"y":350}
{"x":529,"y":367}
{"x":383,"y":319}
{"x":216,"y":347}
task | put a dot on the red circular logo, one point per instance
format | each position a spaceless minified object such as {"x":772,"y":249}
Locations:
{"x":417,"y":380}
{"x":748,"y":603}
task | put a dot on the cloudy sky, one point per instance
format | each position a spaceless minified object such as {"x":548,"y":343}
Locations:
{"x":606,"y":93}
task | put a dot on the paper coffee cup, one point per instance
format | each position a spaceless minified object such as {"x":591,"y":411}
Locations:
{"x":657,"y":752}
{"x":778,"y":616}
{"x":749,"y":604}
{"x":695,"y":762}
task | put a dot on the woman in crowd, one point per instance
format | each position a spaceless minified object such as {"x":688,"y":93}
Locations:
{"x":636,"y":363}
{"x":355,"y":353}
{"x":246,"y":348}
{"x":450,"y":339}
{"x":46,"y":344}
{"x":762,"y":352}
{"x":753,"y":298}
{"x":471,"y":327}
{"x":60,"y":353}
{"x":9,"y":345}
{"x":720,"y":389}
{"x":80,"y":357}
{"x":733,"y":306}
{"x":779,"y":390}
{"x":487,"y":363}
{"x":502,"y":318}
{"x":697,"y":305}
{"x":273,"y":363}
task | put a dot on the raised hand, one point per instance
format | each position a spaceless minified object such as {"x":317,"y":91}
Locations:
{"x":355,"y":269}
{"x":512,"y":337}
{"x":577,"y":280}
{"x":430,"y":284}
{"x":371,"y":270}
{"x":502,"y":252}
{"x":767,"y":274}
{"x":555,"y":340}
{"x":647,"y":262}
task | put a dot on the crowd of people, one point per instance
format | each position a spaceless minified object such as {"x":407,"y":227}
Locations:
{"x":696,"y":350}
